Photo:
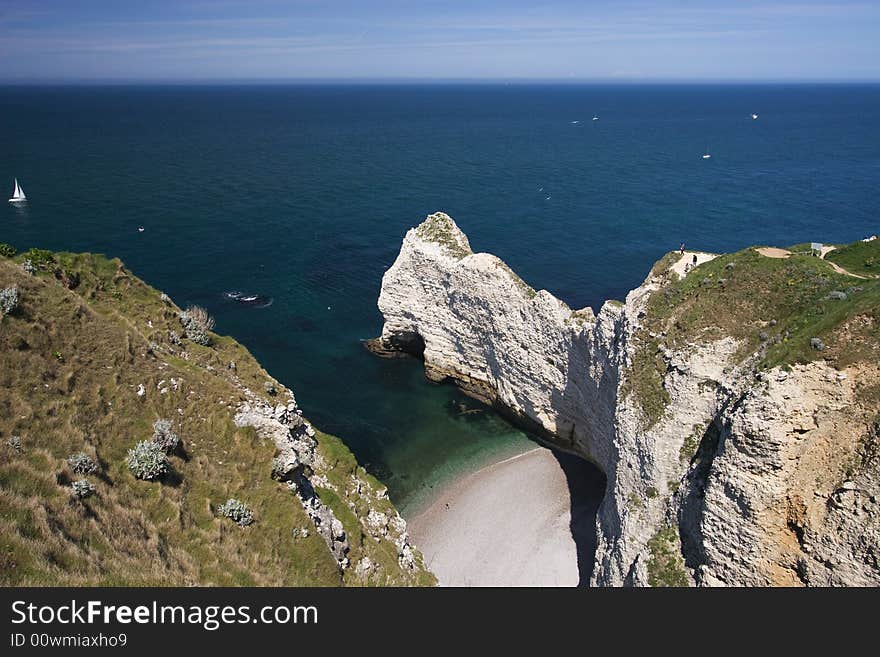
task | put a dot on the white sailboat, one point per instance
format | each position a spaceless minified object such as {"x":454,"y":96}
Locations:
{"x":18,"y":194}
{"x":754,"y":117}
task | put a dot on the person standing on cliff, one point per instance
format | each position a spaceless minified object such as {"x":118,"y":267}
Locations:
{"x":681,"y":248}
{"x":695,"y":260}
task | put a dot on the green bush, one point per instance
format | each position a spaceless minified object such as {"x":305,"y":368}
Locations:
{"x":196,"y":324}
{"x":40,"y":258}
{"x":237,"y":511}
{"x":9,"y":300}
{"x":147,"y":460}
{"x":83,"y":488}
{"x":7,"y":250}
{"x":82,"y":463}
{"x":164,"y":437}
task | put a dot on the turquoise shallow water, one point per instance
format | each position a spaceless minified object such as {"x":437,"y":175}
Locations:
{"x":303,"y":194}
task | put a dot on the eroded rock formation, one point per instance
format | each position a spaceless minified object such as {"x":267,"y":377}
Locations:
{"x":746,"y":477}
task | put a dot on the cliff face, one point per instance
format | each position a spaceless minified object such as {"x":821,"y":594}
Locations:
{"x":90,"y":358}
{"x":722,"y":467}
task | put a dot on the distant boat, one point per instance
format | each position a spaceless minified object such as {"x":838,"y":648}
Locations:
{"x":754,"y":117}
{"x":140,"y":229}
{"x":595,"y":118}
{"x":706,"y":155}
{"x":255,"y":300}
{"x":18,"y":194}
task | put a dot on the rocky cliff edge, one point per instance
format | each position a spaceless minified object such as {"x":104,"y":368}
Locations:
{"x":732,"y":407}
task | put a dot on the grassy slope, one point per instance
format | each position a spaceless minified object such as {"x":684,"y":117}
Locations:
{"x":859,"y":257}
{"x":71,"y":364}
{"x":738,"y":295}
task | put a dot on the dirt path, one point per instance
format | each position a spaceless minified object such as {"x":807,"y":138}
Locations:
{"x":841,"y":270}
{"x":681,"y":266}
{"x":773,"y":252}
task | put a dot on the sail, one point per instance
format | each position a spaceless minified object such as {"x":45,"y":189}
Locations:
{"x":18,"y":193}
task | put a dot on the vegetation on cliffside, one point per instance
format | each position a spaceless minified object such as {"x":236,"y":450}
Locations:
{"x":781,"y":311}
{"x":92,"y":358}
{"x":441,"y":229}
{"x":861,"y":258}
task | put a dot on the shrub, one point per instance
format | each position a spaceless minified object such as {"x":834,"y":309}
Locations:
{"x":665,"y":564}
{"x":7,"y":250}
{"x":201,"y":317}
{"x":237,"y":511}
{"x":29,"y":267}
{"x":70,"y":279}
{"x":197,"y":335}
{"x":164,"y":437}
{"x":40,"y":258}
{"x":83,"y":488}
{"x":82,"y":463}
{"x":196,"y":324}
{"x":9,"y":299}
{"x":147,"y":460}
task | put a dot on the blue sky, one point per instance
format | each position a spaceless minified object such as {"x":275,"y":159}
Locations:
{"x":293,"y":39}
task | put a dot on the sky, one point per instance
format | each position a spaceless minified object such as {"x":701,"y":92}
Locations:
{"x":623,"y":40}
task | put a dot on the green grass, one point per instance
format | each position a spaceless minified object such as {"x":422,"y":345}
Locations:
{"x":739,"y":295}
{"x":439,"y":228}
{"x":344,"y":476}
{"x":691,"y":444}
{"x":859,"y":257}
{"x":665,"y":564}
{"x":134,"y":532}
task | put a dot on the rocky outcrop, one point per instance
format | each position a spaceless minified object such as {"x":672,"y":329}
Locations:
{"x":300,"y":464}
{"x":294,"y":438}
{"x":112,"y":365}
{"x":736,"y":477}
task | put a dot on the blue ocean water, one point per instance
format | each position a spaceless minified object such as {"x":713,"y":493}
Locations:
{"x":303,"y":193}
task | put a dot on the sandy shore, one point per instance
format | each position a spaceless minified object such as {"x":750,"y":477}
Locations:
{"x":513,"y":523}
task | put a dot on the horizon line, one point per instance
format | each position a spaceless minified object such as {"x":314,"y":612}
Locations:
{"x":9,"y":82}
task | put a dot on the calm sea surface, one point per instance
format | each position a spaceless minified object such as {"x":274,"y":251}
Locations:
{"x":303,"y":194}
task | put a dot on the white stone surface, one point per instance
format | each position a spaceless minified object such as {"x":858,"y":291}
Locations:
{"x":530,"y":353}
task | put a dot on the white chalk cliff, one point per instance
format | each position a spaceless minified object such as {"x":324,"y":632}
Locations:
{"x":740,"y":480}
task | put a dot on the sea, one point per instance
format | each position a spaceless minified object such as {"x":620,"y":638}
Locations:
{"x":300,"y":194}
